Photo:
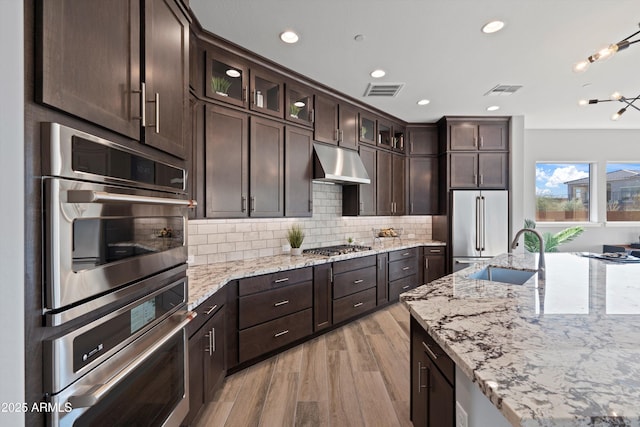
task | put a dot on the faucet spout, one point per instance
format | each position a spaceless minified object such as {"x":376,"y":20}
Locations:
{"x":541,"y":263}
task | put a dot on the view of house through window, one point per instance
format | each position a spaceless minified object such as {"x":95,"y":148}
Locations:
{"x":623,"y":191}
{"x":562,"y":191}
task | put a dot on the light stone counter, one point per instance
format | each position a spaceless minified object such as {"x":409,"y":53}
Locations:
{"x":561,"y":353}
{"x":205,"y":280}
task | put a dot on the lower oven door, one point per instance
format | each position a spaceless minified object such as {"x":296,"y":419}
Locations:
{"x":144,"y":384}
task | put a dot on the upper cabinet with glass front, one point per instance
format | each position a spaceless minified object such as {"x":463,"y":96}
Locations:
{"x":226,"y":78}
{"x":266,"y":92}
{"x":367,"y":129}
{"x":299,"y":104}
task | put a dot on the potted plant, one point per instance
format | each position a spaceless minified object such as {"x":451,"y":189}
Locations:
{"x":295,"y":236}
{"x":220,"y":85}
{"x":551,"y":241}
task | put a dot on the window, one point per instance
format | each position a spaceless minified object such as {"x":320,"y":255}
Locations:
{"x":623,"y":191}
{"x":562,"y":191}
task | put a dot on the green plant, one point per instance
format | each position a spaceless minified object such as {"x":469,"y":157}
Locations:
{"x":220,"y":84}
{"x":295,"y":236}
{"x":350,"y":240}
{"x":551,"y":241}
{"x":294,"y":110}
{"x":573,"y":205}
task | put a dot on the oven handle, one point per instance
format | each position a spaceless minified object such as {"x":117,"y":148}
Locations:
{"x":97,"y":392}
{"x":90,"y":196}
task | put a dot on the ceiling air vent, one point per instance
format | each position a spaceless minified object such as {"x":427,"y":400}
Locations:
{"x":503,"y":90}
{"x":383,"y":89}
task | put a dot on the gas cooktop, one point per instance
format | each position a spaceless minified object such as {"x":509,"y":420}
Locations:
{"x":336,"y":250}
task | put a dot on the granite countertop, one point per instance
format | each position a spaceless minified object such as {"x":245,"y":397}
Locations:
{"x":563,"y":352}
{"x":205,"y":280}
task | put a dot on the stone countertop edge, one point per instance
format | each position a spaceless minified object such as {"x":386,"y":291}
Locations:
{"x":207,"y":279}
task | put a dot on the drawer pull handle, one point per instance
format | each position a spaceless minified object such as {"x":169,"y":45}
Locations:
{"x":405,"y":268}
{"x":285,"y":279}
{"x":355,"y":282}
{"x":406,"y":287}
{"x":211,"y":310}
{"x":428,"y":348}
{"x":357,"y":305}
{"x":406,"y":254}
{"x":278,"y":304}
{"x":279,"y":334}
{"x":434,"y":251}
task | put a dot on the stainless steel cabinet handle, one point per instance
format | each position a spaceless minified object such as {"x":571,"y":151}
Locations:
{"x":279,"y":334}
{"x":278,"y":304}
{"x":243,"y":203}
{"x":143,"y":104}
{"x":478,"y":224}
{"x":213,"y":340}
{"x":406,"y":287}
{"x":426,"y":263}
{"x":341,"y":135}
{"x":98,"y":392}
{"x":405,"y":268}
{"x":481,"y":179}
{"x":434,"y":251}
{"x":361,"y":207}
{"x":310,"y":205}
{"x":245,"y":91}
{"x":157,"y":102}
{"x":209,"y":349}
{"x":429,"y":351}
{"x":475,"y":141}
{"x":481,"y":141}
{"x":313,"y":116}
{"x":90,"y":196}
{"x":411,"y":211}
{"x":208,"y":312}
{"x":420,"y":369}
{"x":355,"y":282}
{"x":253,"y":204}
{"x":357,"y":304}
{"x":284,"y":279}
{"x":406,"y":254}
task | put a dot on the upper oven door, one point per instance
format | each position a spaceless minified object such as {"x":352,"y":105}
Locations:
{"x":100,"y":237}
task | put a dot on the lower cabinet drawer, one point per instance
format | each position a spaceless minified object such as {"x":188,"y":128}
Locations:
{"x":269,"y":336}
{"x":354,"y":281}
{"x":353,"y":305}
{"x":402,"y":268}
{"x":265,"y":306}
{"x":402,"y":285}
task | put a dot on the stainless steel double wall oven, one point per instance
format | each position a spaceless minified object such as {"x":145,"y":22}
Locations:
{"x":115,"y":229}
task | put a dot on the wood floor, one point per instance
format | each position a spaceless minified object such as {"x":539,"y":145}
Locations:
{"x":357,"y":375}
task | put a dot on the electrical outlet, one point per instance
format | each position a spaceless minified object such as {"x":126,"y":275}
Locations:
{"x":461,"y":416}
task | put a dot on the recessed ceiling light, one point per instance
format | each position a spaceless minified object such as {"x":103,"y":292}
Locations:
{"x":493,"y":108}
{"x":423,"y":102}
{"x":376,"y":74}
{"x":492,"y":27}
{"x":233,"y":73}
{"x":289,"y":37}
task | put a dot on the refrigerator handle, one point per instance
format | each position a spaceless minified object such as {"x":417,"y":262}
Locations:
{"x":483,"y":230}
{"x":478,"y":223}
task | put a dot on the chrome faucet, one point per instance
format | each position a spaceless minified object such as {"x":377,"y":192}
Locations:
{"x":541,"y":275}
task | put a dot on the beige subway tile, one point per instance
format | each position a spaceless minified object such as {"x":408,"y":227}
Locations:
{"x":234,"y":237}
{"x":258,"y":244}
{"x":197,"y":239}
{"x":206,"y":249}
{"x":207,"y":229}
{"x":266,"y":235}
{"x":234,"y":256}
{"x":200,"y":259}
{"x":226,"y":228}
{"x":216,"y":238}
{"x":226,"y":247}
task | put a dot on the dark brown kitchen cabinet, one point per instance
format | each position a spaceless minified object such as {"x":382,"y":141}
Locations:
{"x":399,"y":184}
{"x":266,"y":94}
{"x":298,"y":104}
{"x":382,"y":284}
{"x":322,"y":301}
{"x":422,"y":140}
{"x":390,"y":183}
{"x":348,"y":126}
{"x":478,"y":136}
{"x":398,"y":142}
{"x":423,"y":185}
{"x":195,"y":160}
{"x":354,"y":287}
{"x":433,"y":263}
{"x":103,"y":64}
{"x":298,"y":190}
{"x":266,"y":168}
{"x":226,"y":162}
{"x":478,"y":170}
{"x":360,"y":199}
{"x":226,"y":78}
{"x":385,"y":135}
{"x":403,"y":271}
{"x":326,"y":120}
{"x":368,"y":131}
{"x":432,"y":381}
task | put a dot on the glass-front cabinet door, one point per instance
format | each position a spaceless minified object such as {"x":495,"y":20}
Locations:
{"x":385,"y":138}
{"x":398,"y":138}
{"x":367,"y":129}
{"x":266,"y":92}
{"x":226,"y":79}
{"x":299,"y":104}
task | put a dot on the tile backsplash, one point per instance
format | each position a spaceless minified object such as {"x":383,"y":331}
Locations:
{"x":219,"y":240}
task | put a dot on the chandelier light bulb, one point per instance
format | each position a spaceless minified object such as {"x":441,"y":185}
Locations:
{"x":583,"y":102}
{"x":580,"y":67}
{"x":617,"y":115}
{"x":615,"y":96}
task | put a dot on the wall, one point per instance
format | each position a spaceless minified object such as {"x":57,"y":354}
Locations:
{"x":212,"y":241}
{"x":12,"y":208}
{"x":579,"y":146}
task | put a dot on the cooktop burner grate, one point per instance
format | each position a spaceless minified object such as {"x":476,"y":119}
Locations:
{"x":336,"y":250}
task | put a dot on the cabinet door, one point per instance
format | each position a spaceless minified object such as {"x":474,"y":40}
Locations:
{"x":463,"y":170}
{"x":197,"y":348}
{"x":434,"y":267}
{"x":382,"y":284}
{"x":348,"y":127}
{"x":493,"y":170}
{"x":226,"y":164}
{"x":322,"y":297}
{"x":195,"y":159}
{"x":226,"y":78}
{"x":399,"y":185}
{"x":463,"y":136}
{"x":326,"y":120}
{"x":442,"y":398}
{"x":367,"y":192}
{"x":298,"y":172}
{"x":266,"y":168}
{"x":399,"y":138}
{"x":493,"y":136}
{"x":385,"y":138}
{"x":420,"y":365}
{"x":299,"y":104}
{"x":266,"y":93}
{"x":214,"y":355}
{"x":423,"y":185}
{"x":368,"y":130}
{"x":423,"y":140}
{"x":166,"y":76}
{"x":384,"y":166}
{"x":90,"y":64}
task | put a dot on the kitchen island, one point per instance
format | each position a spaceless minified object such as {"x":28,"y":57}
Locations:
{"x":565,"y":352}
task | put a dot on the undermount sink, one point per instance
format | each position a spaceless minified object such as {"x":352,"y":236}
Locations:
{"x":503,"y":275}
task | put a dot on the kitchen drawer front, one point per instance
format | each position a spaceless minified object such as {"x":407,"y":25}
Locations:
{"x":403,"y":254}
{"x":267,"y":282}
{"x":434,"y":250}
{"x":402,"y":268}
{"x":402,"y":285}
{"x":353,"y":305}
{"x":353,"y":264}
{"x":269,"y":336}
{"x":436,"y":354}
{"x":269,"y":305}
{"x":354,"y":281}
{"x":207,"y":310}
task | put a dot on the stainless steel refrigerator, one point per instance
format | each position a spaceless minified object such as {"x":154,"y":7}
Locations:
{"x":480,"y":226}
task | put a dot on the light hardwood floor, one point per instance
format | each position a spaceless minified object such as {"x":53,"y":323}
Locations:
{"x":357,"y":375}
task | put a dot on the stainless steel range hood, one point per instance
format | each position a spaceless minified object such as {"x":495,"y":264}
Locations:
{"x":334,"y":164}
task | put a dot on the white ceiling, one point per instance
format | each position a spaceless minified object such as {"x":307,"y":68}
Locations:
{"x":437,"y":49}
